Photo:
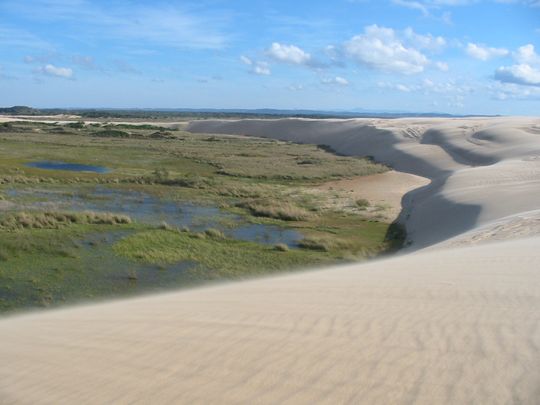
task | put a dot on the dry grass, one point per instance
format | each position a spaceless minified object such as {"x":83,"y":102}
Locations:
{"x":54,"y":220}
{"x":277,"y":210}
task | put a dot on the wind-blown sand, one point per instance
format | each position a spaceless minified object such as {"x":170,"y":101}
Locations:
{"x":445,"y":324}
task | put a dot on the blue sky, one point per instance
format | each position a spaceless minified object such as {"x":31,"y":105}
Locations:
{"x":456,"y":56}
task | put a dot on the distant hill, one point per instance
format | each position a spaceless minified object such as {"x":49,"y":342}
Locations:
{"x":191,"y":113}
{"x":19,"y":110}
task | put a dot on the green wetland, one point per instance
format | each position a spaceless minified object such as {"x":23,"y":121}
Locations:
{"x":89,"y":211}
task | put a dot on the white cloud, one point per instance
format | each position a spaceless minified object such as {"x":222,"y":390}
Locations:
{"x":56,"y":71}
{"x":158,"y":24}
{"x":261,"y":68}
{"x":483,"y":52}
{"x":414,"y":5}
{"x":338,"y":80}
{"x":511,"y":91}
{"x":258,"y":67}
{"x":289,"y":54}
{"x":246,"y":60}
{"x":381,"y":48}
{"x":442,"y":66}
{"x":428,"y":41}
{"x":427,"y":86}
{"x":525,"y":72}
{"x":527,"y":54}
{"x":520,"y":74}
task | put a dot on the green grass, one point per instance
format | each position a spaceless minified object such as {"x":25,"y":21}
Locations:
{"x":221,"y":257}
{"x":47,"y":258}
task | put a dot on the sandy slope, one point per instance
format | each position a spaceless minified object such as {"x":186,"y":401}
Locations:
{"x":441,"y":325}
{"x":450,"y":326}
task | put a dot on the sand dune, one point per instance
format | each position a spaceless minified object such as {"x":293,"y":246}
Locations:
{"x":447,"y":324}
{"x":481,"y":169}
{"x":451,"y":326}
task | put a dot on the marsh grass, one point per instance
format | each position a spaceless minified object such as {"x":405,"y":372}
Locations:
{"x":55,"y":220}
{"x":277,"y":210}
{"x":265,"y":181}
{"x":223,"y":257}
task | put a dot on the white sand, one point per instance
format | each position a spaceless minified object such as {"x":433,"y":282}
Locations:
{"x":447,"y":324}
{"x":384,"y":190}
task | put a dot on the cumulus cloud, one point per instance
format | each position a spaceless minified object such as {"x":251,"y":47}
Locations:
{"x":520,"y":74}
{"x":56,"y":71}
{"x":525,"y":72}
{"x":428,"y":41}
{"x":338,"y":80}
{"x":382,"y":48}
{"x":258,"y":67}
{"x":511,"y":91}
{"x":483,"y":52}
{"x":289,"y":54}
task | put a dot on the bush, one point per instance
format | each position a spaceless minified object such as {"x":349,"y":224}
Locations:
{"x":76,"y":125}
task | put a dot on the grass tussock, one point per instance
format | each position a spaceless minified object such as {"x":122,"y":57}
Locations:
{"x":362,"y":203}
{"x":281,"y":247}
{"x":322,"y":244}
{"x":54,"y":220}
{"x":277,"y":210}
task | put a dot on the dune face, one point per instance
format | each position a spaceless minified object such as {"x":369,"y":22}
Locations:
{"x":451,"y":324}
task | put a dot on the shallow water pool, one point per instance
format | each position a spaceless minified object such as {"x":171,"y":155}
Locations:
{"x":72,"y":167}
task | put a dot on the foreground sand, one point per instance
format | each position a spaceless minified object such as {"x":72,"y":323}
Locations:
{"x":444,"y":324}
{"x":451,"y":326}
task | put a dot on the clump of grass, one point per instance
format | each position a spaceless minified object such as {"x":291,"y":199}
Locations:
{"x":214,"y":233}
{"x":165,"y":226}
{"x":322,"y":244}
{"x":112,"y":133}
{"x":277,"y":210}
{"x":362,"y":203}
{"x":55,"y":220}
{"x":161,"y":135}
{"x":281,"y":247}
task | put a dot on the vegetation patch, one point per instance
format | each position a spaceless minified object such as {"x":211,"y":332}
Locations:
{"x":49,"y":257}
{"x":277,"y":210}
{"x":55,"y":220}
{"x":221,"y":257}
{"x":111,"y":133}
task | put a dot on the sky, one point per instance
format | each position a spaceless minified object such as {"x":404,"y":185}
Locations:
{"x":448,"y":56}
